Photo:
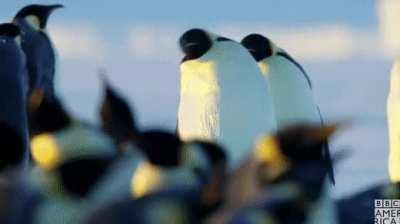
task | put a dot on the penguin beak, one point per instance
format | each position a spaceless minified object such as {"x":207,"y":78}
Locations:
{"x":54,"y":7}
{"x":190,"y":48}
{"x":35,"y":99}
{"x":251,"y":50}
{"x":325,"y":132}
{"x":50,"y":9}
{"x":190,"y":45}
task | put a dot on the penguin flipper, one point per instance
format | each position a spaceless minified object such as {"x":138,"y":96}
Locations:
{"x":326,"y":154}
{"x":328,"y":161}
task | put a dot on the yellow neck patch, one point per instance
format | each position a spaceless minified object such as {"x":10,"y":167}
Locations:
{"x":146,"y":179}
{"x":264,"y":68}
{"x":267,"y":152}
{"x":33,"y":21}
{"x":45,"y":151}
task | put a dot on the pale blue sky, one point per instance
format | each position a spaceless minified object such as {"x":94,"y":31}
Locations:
{"x":358,"y":12}
{"x":338,"y":42}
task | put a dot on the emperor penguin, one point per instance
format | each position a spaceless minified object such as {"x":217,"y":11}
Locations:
{"x":222,"y":94}
{"x":181,"y":203}
{"x":38,"y":47}
{"x":12,"y":99}
{"x":393,"y":109}
{"x":292,"y":169}
{"x":289,"y":86}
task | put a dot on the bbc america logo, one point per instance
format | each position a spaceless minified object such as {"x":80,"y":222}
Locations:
{"x":387,"y":211}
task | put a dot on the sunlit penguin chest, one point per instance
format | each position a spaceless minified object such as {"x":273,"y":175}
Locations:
{"x":200,"y":97}
{"x":290,"y":90}
{"x":393,"y":108}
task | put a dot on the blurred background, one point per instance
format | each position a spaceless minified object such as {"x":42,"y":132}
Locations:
{"x":347,"y":48}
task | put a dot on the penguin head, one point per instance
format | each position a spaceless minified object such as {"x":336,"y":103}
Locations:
{"x":260,"y":47}
{"x":70,"y":161}
{"x":290,"y":148}
{"x":173,"y":163}
{"x":162,"y":151}
{"x":36,"y":15}
{"x":10,"y":30}
{"x":305,"y":142}
{"x":50,"y":149}
{"x":212,"y":62}
{"x":79,"y":176}
{"x":195,"y":43}
{"x":117,"y":117}
{"x":161,"y":148}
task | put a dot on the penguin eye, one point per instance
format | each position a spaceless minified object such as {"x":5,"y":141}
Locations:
{"x":223,"y":39}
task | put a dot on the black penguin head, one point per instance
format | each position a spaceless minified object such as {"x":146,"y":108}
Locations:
{"x":304,"y":142}
{"x":117,"y":117}
{"x":78,"y":177}
{"x":39,"y":13}
{"x":11,"y":145}
{"x":9,"y":30}
{"x":195,"y":43}
{"x":46,"y":115}
{"x":160,"y":147}
{"x":299,"y":145}
{"x":259,"y":46}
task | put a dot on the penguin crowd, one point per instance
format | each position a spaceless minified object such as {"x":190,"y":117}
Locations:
{"x":250,"y":146}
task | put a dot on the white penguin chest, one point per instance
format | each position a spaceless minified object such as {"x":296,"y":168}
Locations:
{"x":199,"y":103}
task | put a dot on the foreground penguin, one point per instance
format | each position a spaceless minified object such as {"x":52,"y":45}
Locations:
{"x":38,"y":47}
{"x":291,"y":170}
{"x":289,"y":85}
{"x":12,"y":99}
{"x":181,"y":203}
{"x":71,"y":159}
{"x":172,"y":163}
{"x":393,"y":110}
{"x":222,"y":94}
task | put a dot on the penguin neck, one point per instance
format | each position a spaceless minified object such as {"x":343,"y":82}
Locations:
{"x":18,"y":40}
{"x":33,"y":21}
{"x":199,"y":76}
{"x":264,"y":63}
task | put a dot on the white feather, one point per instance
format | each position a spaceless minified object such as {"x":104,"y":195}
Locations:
{"x":223,"y":97}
